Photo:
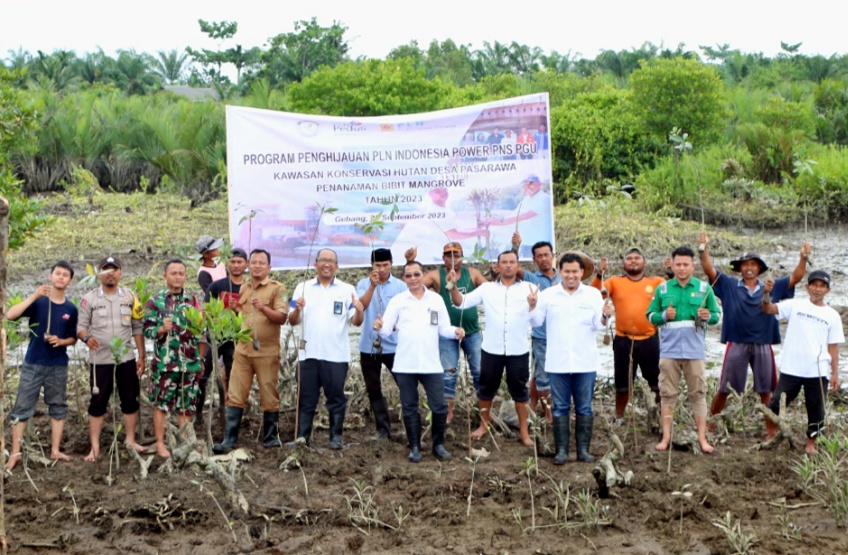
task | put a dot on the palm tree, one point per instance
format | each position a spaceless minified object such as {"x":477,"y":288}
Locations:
{"x":171,"y":66}
{"x":133,"y":72}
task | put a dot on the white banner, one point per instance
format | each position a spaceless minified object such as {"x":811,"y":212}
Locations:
{"x":299,"y":183}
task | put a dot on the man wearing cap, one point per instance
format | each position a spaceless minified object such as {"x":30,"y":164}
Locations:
{"x":468,"y":320}
{"x":748,"y":332}
{"x":810,"y":353}
{"x":636,"y":343}
{"x":324,"y":307}
{"x":675,"y":308}
{"x":106,"y":314}
{"x":505,"y":346}
{"x":177,"y":352}
{"x":375,"y":292}
{"x":226,"y":289}
{"x":210,"y":269}
{"x":572,"y":312}
{"x":262,"y":302}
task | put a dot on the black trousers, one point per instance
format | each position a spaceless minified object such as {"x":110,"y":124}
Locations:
{"x":316,"y":375}
{"x":814,"y":399}
{"x":372,"y":366}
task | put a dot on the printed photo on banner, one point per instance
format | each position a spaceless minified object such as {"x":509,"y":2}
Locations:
{"x":474,"y":175}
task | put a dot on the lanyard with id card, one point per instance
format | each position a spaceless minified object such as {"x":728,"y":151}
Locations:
{"x":434,"y":318}
{"x":338,"y":307}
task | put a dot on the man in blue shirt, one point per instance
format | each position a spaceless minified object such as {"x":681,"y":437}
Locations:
{"x":544,"y":276}
{"x":748,"y":332}
{"x":53,"y":321}
{"x":375,"y":292}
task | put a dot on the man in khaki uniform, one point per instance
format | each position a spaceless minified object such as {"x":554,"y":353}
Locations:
{"x":262,"y":301}
{"x":106,"y":312}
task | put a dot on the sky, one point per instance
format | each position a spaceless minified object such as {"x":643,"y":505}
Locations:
{"x":376,"y":26}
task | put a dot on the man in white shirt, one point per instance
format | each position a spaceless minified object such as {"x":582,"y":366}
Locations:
{"x":810,"y":349}
{"x":572,"y":312}
{"x":419,"y":317}
{"x":323,"y":307}
{"x":506,"y":341}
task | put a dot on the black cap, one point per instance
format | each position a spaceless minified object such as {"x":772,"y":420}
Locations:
{"x":820,"y":275}
{"x":109,"y":261}
{"x":238,"y":252}
{"x":381,"y":255}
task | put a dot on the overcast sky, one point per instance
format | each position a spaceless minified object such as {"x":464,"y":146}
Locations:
{"x":377,"y":26}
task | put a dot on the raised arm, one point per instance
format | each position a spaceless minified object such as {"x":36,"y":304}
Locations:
{"x":801,"y":268}
{"x":704,"y":255}
{"x":768,"y":306}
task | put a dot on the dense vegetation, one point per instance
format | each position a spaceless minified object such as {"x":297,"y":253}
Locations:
{"x":762,"y":138}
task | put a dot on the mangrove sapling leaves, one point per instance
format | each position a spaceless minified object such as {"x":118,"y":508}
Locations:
{"x":118,"y":348}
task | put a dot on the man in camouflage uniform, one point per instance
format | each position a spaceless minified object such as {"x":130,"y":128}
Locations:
{"x":177,"y":356}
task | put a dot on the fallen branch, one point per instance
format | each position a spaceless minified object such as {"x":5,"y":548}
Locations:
{"x":143,"y":464}
{"x":784,"y":430}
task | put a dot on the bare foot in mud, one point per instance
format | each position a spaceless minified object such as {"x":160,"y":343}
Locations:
{"x":138,"y":448}
{"x":59,"y":456}
{"x":92,"y":455}
{"x":480,"y":432}
{"x":525,"y":439}
{"x":810,"y":447}
{"x":706,"y":448}
{"x":162,"y":451}
{"x":662,"y":446}
{"x":13,"y":460}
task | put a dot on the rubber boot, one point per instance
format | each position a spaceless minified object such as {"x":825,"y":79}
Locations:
{"x":269,"y":429}
{"x":583,"y":434}
{"x":304,"y":426}
{"x":336,"y":427}
{"x":381,"y":418}
{"x":200,"y":401}
{"x":231,"y":433}
{"x":440,"y":424}
{"x":413,"y":436}
{"x":562,"y":435}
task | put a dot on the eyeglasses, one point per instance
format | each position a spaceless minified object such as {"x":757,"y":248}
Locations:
{"x":413,"y":275}
{"x":326,"y":261}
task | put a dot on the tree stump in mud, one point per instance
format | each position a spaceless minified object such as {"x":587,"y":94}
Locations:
{"x":653,"y":410}
{"x":606,"y":472}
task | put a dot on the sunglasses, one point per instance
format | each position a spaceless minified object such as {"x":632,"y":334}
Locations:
{"x":413,"y":275}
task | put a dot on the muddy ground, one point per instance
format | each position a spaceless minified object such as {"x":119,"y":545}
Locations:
{"x":457,"y":506}
{"x":69,"y":506}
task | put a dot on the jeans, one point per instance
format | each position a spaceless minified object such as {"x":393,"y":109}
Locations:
{"x":54,"y":379}
{"x":408,"y":388}
{"x":543,"y":383}
{"x":580,"y":386}
{"x":449,"y":355}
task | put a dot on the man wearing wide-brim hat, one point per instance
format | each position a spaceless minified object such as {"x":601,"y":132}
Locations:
{"x":747,"y":331}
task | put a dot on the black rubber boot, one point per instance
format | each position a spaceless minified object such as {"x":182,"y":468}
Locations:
{"x":440,"y":424}
{"x":231,"y":433}
{"x":381,"y":418}
{"x":304,"y":426}
{"x":413,"y":436}
{"x":270,"y":437}
{"x":583,"y":435}
{"x":336,"y":427}
{"x":562,"y":435}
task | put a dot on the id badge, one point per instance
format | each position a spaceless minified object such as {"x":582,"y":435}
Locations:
{"x":434,"y":318}
{"x":338,"y":306}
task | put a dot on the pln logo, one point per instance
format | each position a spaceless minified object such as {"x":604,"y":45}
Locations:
{"x":348,"y":128}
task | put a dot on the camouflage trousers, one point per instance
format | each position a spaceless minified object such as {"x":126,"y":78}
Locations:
{"x":175,"y":392}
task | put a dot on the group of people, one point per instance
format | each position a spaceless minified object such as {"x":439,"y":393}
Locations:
{"x":540,"y":332}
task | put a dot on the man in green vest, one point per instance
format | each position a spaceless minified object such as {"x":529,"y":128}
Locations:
{"x":468,"y":320}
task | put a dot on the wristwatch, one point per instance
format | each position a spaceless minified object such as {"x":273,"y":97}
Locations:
{"x":86,"y":338}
